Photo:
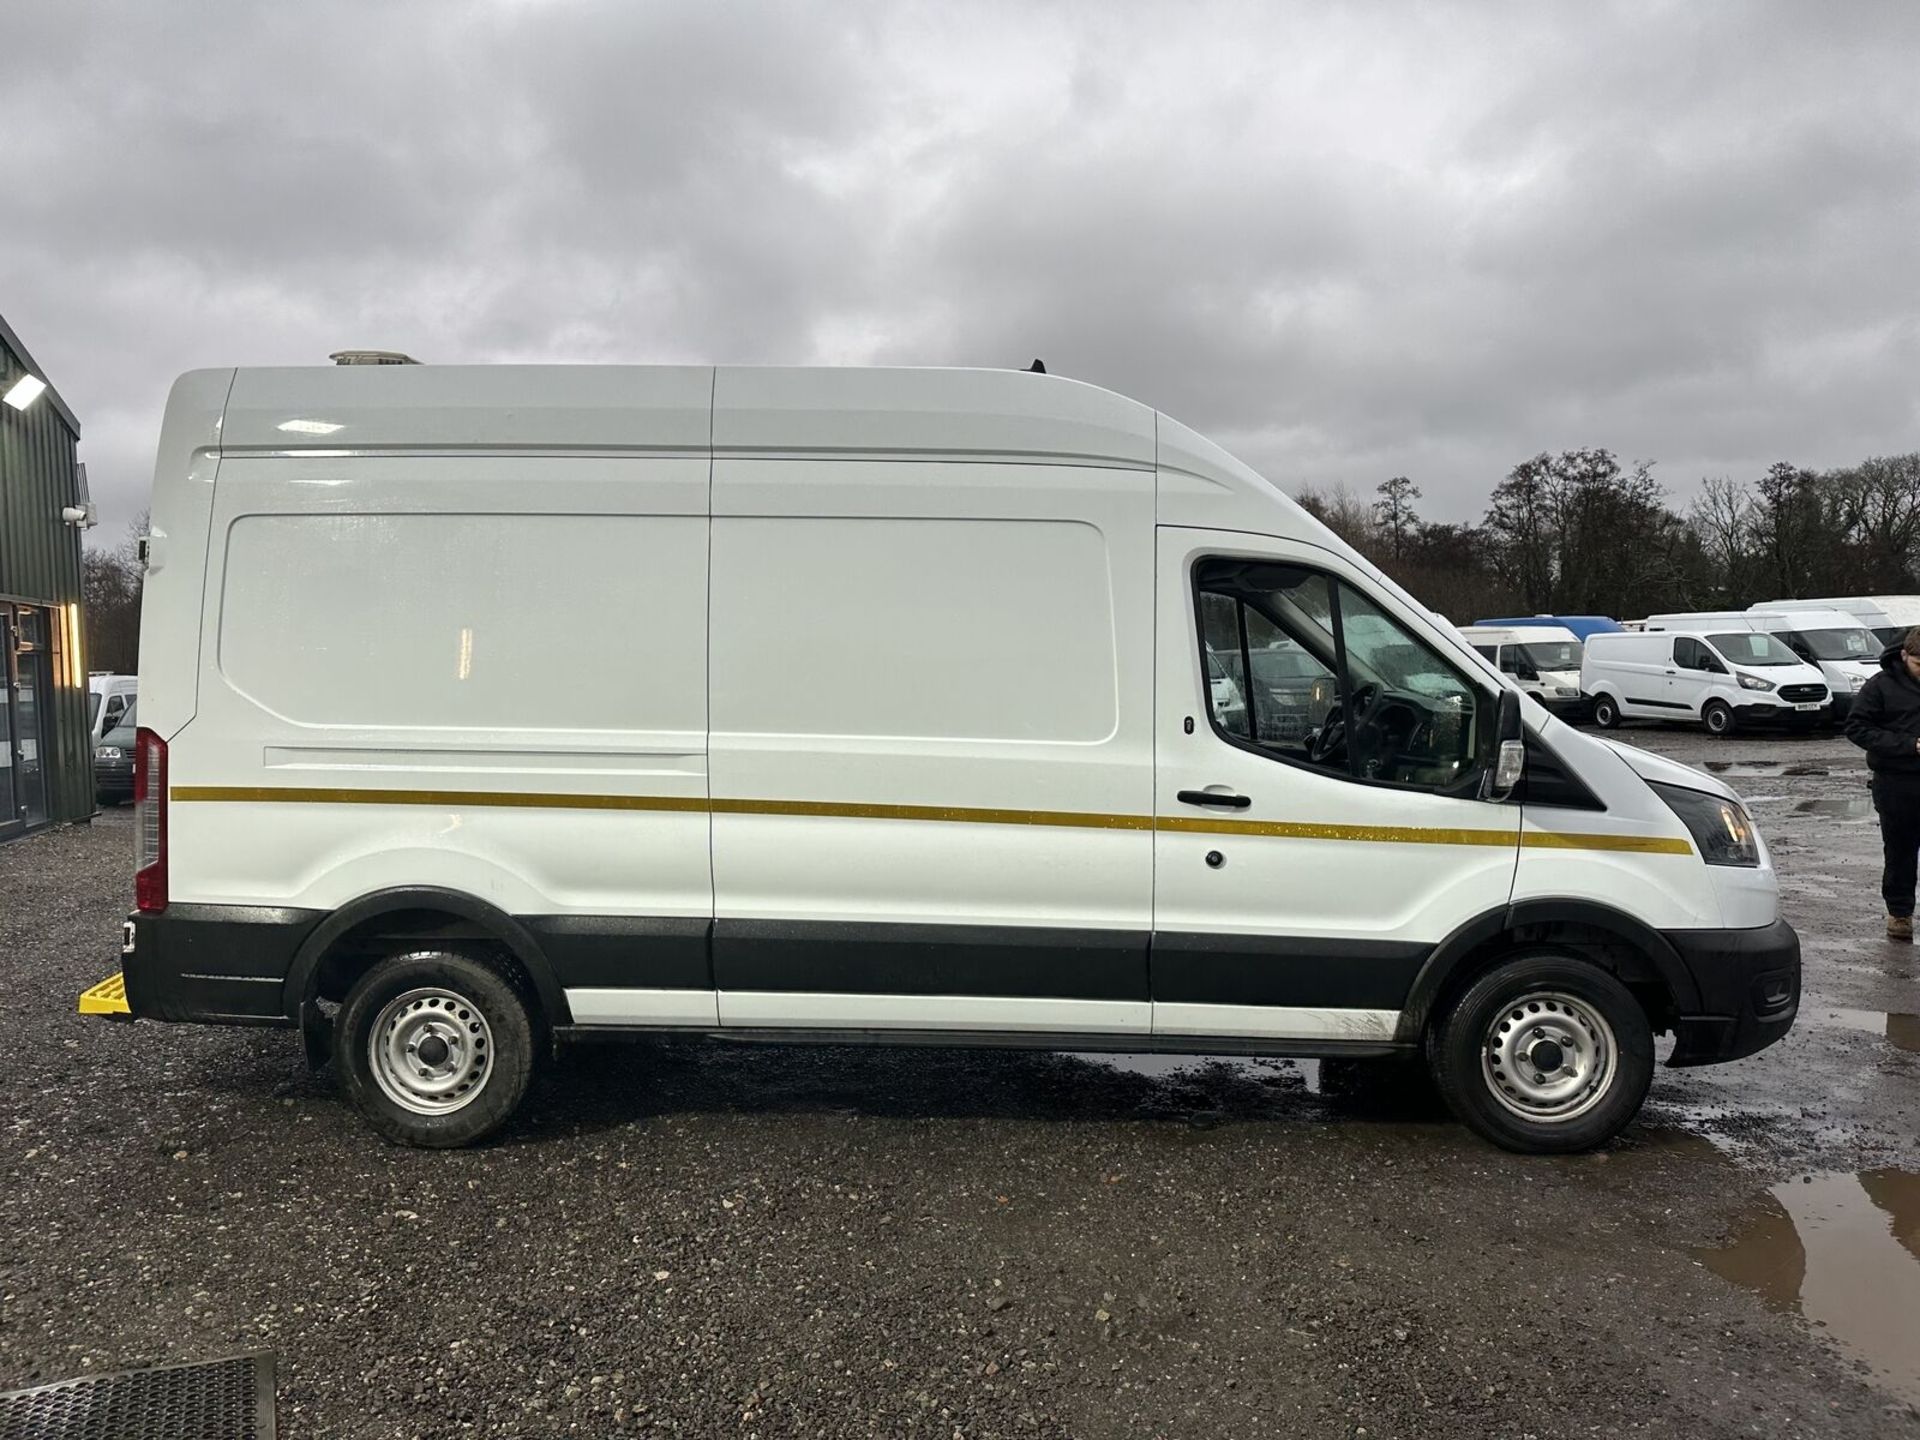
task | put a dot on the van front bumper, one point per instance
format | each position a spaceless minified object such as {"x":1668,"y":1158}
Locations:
{"x":1749,"y":989}
{"x":1574,"y":709}
{"x":213,"y":964}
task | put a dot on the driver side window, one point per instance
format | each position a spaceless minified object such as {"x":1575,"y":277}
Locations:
{"x":1309,"y":671}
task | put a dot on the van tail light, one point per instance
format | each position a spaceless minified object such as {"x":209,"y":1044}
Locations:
{"x":149,"y":822}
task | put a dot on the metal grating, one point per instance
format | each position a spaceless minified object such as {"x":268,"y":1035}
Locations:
{"x":218,"y":1400}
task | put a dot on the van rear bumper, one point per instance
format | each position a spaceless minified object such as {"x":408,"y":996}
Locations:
{"x":1749,"y":985}
{"x":214,"y":964}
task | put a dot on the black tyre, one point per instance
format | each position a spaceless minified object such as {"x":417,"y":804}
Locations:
{"x":436,"y":1047}
{"x":1544,"y":1054}
{"x":1718,"y":716}
{"x":1606,"y":714}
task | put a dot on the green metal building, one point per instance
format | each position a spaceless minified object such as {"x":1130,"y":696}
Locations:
{"x":46,"y":752}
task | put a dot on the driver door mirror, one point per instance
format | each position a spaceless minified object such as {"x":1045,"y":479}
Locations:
{"x":1510,"y":759}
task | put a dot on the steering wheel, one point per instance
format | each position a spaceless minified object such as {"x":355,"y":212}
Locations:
{"x":1332,"y":733}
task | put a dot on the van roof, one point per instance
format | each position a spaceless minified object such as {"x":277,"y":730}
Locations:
{"x":1541,"y":631}
{"x":729,"y":411}
{"x":742,"y":410}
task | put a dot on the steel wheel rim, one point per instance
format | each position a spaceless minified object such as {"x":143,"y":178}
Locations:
{"x":431,"y":1051}
{"x":1549,"y":1057}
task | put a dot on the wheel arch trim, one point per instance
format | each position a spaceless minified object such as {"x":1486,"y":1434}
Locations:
{"x":304,"y":973}
{"x":1469,"y":938}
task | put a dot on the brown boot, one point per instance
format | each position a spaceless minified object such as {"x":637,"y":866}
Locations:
{"x":1900,"y":927}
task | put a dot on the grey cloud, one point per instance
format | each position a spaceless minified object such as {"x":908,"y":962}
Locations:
{"x":1349,"y":243}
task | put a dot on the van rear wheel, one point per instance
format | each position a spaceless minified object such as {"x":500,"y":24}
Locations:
{"x":435,"y":1047}
{"x":1545,"y":1054}
{"x":1606,"y":714}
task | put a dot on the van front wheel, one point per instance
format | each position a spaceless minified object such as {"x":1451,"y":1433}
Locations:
{"x":1544,"y":1054}
{"x":1719,"y":717}
{"x":1606,"y":714}
{"x":435,"y":1047}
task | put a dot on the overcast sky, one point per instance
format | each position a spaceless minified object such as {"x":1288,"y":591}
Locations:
{"x":1347,"y":242}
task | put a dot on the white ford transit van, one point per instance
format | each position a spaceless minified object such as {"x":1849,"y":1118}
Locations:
{"x":485,"y":708}
{"x":1543,"y":660}
{"x":1734,"y":673}
{"x":109,"y":697}
{"x":1889,"y":617}
{"x":1844,"y":651}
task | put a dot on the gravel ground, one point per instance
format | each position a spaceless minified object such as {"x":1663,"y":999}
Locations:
{"x":698,"y":1241}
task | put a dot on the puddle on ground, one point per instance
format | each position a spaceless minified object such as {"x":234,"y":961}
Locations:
{"x":1763,"y":767}
{"x":1900,"y":1031}
{"x":1843,"y":1250}
{"x":1850,"y":807}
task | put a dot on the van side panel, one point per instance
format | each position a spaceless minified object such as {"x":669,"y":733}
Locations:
{"x":931,"y":746}
{"x":485,"y":674}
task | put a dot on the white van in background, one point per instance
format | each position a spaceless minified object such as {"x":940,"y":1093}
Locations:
{"x":1720,"y":676}
{"x":1846,"y":652}
{"x":1838,"y":646}
{"x":1543,"y":660}
{"x":485,"y":708}
{"x":1889,"y":617}
{"x":109,"y":697}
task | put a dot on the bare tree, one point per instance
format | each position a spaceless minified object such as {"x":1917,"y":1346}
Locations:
{"x":110,"y":585}
{"x":1393,"y":514}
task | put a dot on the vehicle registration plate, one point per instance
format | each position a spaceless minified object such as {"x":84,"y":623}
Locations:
{"x":1806,"y":707}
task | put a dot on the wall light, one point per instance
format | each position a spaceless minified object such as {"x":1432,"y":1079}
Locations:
{"x":76,"y":662}
{"x":25,"y":391}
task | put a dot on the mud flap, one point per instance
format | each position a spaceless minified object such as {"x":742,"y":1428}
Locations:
{"x":316,"y":1036}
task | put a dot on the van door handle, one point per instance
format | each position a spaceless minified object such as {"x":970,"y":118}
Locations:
{"x":1208,"y":797}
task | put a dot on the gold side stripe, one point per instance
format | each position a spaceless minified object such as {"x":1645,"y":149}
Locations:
{"x":1632,"y":844}
{"x":952,"y":814}
{"x":1312,"y":830}
{"x":949,"y":814}
{"x":456,"y":799}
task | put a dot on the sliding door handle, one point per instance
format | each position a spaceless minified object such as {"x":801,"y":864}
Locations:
{"x":1208,"y":797}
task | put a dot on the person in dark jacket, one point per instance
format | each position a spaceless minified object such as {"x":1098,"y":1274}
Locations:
{"x":1885,"y":722}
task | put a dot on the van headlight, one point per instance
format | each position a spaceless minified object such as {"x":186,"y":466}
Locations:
{"x":1754,"y":682}
{"x":1723,"y":831}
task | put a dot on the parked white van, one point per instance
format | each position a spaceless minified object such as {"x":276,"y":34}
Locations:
{"x":1543,"y":660}
{"x":1838,"y":646}
{"x":1732,"y":673}
{"x":109,"y":697}
{"x":1889,"y":617}
{"x":1844,"y":651}
{"x":484,"y":708}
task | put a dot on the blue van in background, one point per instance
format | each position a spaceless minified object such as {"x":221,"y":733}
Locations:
{"x":1581,"y":625}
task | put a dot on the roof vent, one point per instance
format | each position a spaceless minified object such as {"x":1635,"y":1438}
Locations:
{"x":371,"y":357}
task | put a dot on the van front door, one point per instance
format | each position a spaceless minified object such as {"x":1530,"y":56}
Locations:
{"x":1314,"y":838}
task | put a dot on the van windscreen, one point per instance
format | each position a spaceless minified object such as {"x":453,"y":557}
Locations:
{"x":1854,"y":644}
{"x":1750,"y":647}
{"x":1544,"y":655}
